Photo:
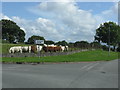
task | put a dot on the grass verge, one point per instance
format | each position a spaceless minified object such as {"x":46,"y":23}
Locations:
{"x":96,"y":55}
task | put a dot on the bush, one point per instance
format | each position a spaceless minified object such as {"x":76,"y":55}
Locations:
{"x":5,"y":41}
{"x":104,"y":47}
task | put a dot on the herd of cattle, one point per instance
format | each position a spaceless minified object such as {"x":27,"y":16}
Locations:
{"x":38,"y":48}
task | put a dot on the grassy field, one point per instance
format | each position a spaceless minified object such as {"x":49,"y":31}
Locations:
{"x":96,"y":55}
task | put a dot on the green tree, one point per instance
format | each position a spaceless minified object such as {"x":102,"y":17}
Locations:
{"x":49,"y":42}
{"x":11,"y":31}
{"x":71,"y":44}
{"x":32,"y":39}
{"x":81,"y":44}
{"x":108,"y":33}
{"x":64,"y":43}
{"x":95,"y":44}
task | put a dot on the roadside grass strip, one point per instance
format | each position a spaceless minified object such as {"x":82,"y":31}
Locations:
{"x":96,"y":55}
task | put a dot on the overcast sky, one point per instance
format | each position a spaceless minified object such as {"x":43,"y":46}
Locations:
{"x":57,"y":21}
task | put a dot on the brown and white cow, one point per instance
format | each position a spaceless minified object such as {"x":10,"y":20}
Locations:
{"x":51,"y":48}
{"x":64,"y":48}
{"x":36,"y":48}
{"x":26,"y":49}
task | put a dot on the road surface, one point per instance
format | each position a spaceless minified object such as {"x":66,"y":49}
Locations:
{"x":102,"y":74}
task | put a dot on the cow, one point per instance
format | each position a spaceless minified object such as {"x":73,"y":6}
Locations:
{"x":57,"y":48}
{"x":33,"y":48}
{"x":39,"y":48}
{"x":51,"y":48}
{"x":64,"y":48}
{"x":26,"y":49}
{"x":15,"y":49}
{"x":36,"y":48}
{"x":52,"y":45}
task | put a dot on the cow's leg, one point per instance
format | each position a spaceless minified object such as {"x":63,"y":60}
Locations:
{"x":13,"y":51}
{"x":21,"y":51}
{"x":29,"y":51}
{"x":9,"y":51}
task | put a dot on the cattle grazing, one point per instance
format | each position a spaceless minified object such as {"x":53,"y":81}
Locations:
{"x":52,"y":45}
{"x":33,"y":48}
{"x":39,"y":48}
{"x":36,"y":48}
{"x":26,"y":49}
{"x":51,"y":48}
{"x":64,"y":48}
{"x":15,"y":49}
{"x":57,"y":48}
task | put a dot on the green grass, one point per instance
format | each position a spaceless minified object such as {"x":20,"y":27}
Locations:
{"x":96,"y":55}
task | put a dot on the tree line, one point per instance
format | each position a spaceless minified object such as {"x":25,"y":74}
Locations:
{"x":107,"y":33}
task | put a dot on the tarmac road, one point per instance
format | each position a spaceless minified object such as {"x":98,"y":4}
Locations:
{"x":62,"y":75}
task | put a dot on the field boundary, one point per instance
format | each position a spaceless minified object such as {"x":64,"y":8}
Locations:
{"x":42,"y":54}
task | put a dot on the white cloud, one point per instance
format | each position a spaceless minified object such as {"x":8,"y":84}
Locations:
{"x":108,"y":15}
{"x":113,"y":10}
{"x":2,"y":16}
{"x":63,"y":21}
{"x":40,"y":26}
{"x":70,"y":21}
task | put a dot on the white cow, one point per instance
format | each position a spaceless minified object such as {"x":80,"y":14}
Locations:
{"x":64,"y":48}
{"x":26,"y":49}
{"x":15,"y":49}
{"x":39,"y":48}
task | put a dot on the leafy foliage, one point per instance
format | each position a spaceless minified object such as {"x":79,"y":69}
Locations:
{"x":49,"y":42}
{"x":81,"y":44}
{"x":64,"y":43}
{"x":95,"y":44}
{"x":108,"y":33}
{"x":32,"y":39}
{"x":11,"y":31}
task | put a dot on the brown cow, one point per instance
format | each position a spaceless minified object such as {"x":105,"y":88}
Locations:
{"x":34,"y":48}
{"x":58,"y":48}
{"x":52,"y":48}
